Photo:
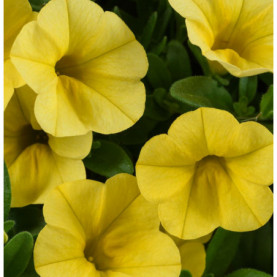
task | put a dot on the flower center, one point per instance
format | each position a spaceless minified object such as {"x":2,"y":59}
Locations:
{"x":210,"y":164}
{"x":40,"y":137}
{"x":32,"y":136}
{"x":66,"y":65}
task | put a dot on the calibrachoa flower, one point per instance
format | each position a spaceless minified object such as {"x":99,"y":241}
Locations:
{"x":16,"y":14}
{"x":86,"y":65}
{"x":237,"y":34}
{"x":38,"y":162}
{"x":96,"y":229}
{"x":209,"y":171}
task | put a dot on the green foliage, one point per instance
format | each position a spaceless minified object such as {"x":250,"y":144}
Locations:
{"x":28,"y":218}
{"x":221,"y":251}
{"x":7,"y":193}
{"x":109,"y":159}
{"x":8,"y":225}
{"x":158,"y":74}
{"x":178,"y":61}
{"x":185,"y":273}
{"x":248,"y":273}
{"x":266,"y":105}
{"x":248,"y":87}
{"x":17,"y":253}
{"x":148,"y":30}
{"x":201,"y":91}
{"x":37,"y":5}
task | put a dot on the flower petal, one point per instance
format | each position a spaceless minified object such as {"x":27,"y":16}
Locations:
{"x":193,"y":212}
{"x":255,"y":167}
{"x":37,"y":171}
{"x":162,"y":174}
{"x":65,"y":245}
{"x":188,"y":132}
{"x":88,"y":109}
{"x":26,"y":99}
{"x":218,"y":127}
{"x":248,"y":137}
{"x":136,"y":255}
{"x":238,"y":204}
{"x":76,"y":147}
{"x":193,"y":257}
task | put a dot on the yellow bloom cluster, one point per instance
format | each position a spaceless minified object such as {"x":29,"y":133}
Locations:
{"x":73,"y":69}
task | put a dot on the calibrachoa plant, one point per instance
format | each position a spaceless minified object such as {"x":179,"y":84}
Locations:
{"x":138,"y":138}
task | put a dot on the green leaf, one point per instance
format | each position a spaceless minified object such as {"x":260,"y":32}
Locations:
{"x":267,"y":78}
{"x":242,"y":109}
{"x":29,"y":218}
{"x":148,"y":30}
{"x":159,"y":48}
{"x":221,"y":251}
{"x":163,"y":21}
{"x":30,"y":270}
{"x":247,"y":272}
{"x":178,"y":60}
{"x":185,"y":273}
{"x":108,"y":160}
{"x":37,"y":5}
{"x":137,"y":134}
{"x":17,"y":253}
{"x":158,"y":75}
{"x":155,"y":111}
{"x":8,"y":225}
{"x":248,"y":87}
{"x":201,"y":91}
{"x":266,"y":105}
{"x":7,"y":193}
{"x":196,"y":51}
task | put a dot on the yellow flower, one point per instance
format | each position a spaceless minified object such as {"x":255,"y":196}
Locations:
{"x":86,"y":65}
{"x":16,"y":14}
{"x":209,"y":171}
{"x":237,"y":34}
{"x":95,"y":229}
{"x":38,"y":162}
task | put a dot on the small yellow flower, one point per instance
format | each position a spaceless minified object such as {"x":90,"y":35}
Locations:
{"x":209,"y":171}
{"x":86,"y":65}
{"x":237,"y":34}
{"x":16,"y":14}
{"x":38,"y":162}
{"x":95,"y":229}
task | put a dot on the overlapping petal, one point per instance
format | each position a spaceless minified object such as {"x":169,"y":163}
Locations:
{"x":110,"y":230}
{"x":16,"y":14}
{"x":38,"y":162}
{"x":86,"y":70}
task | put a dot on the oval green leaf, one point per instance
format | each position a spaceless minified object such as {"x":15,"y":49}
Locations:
{"x":108,"y":160}
{"x":201,"y":91}
{"x":247,"y":272}
{"x":17,"y":253}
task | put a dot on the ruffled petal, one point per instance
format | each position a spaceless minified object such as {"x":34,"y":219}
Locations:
{"x":162,"y":169}
{"x":244,"y":206}
{"x":188,"y":132}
